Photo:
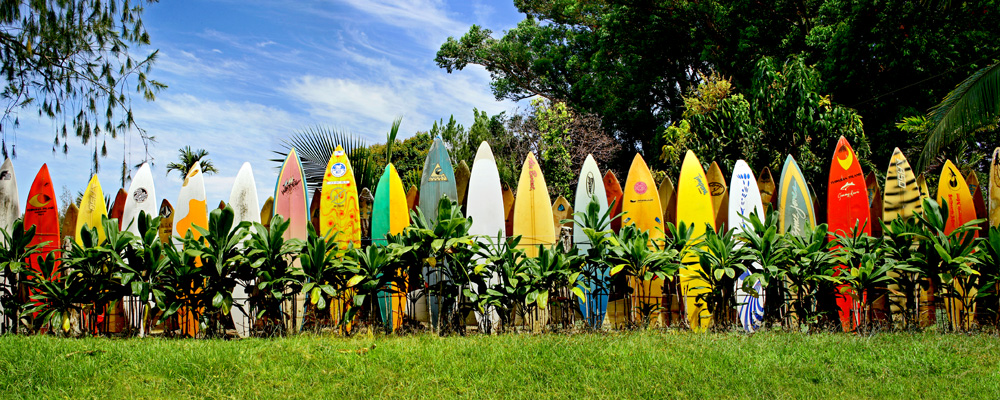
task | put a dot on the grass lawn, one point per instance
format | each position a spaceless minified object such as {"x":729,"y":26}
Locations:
{"x":619,"y":365}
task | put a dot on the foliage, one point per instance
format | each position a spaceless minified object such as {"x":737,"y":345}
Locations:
{"x":553,"y":122}
{"x":188,"y":158}
{"x":270,"y":259}
{"x":407,"y":156}
{"x":72,"y":62}
{"x":784,"y":112}
{"x":646,"y":260}
{"x":970,"y":107}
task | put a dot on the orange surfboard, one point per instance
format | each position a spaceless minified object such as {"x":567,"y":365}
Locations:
{"x":847,"y":207}
{"x":613,"y":189}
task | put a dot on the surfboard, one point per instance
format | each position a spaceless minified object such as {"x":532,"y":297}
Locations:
{"x":590,"y":187}
{"x":141,"y":196}
{"x":508,"y":210}
{"x":847,"y":207}
{"x":266,"y":211}
{"x":10,"y":211}
{"x":561,"y":210}
{"x":994,"y":189}
{"x":666,"y":192}
{"x":389,"y":217}
{"x":533,"y":218}
{"x":875,"y":210}
{"x":694,"y":206}
{"x":953,"y":190}
{"x":978,"y":201}
{"x":901,"y":198}
{"x":767,"y":187}
{"x":314,"y":204}
{"x":717,"y":187}
{"x":744,"y":201}
{"x":117,"y":209}
{"x":462,"y":173}
{"x":290,"y":203}
{"x":166,"y":221}
{"x":191,"y":210}
{"x":222,"y":204}
{"x":615,"y":194}
{"x":412,"y":198}
{"x":486,"y":207}
{"x":795,"y":204}
{"x":437,"y":181}
{"x":339,"y":213}
{"x":69,"y":224}
{"x":243,"y":200}
{"x":365,"y":203}
{"x":42,"y":212}
{"x":871,"y":182}
{"x":641,"y":206}
{"x":10,"y":202}
{"x":92,"y":208}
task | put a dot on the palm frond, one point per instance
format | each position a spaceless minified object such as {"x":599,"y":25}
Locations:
{"x":391,"y":138}
{"x":973,"y":104}
{"x":315,"y":146}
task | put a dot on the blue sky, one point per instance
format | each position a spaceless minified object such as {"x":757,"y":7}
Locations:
{"x":245,"y":74}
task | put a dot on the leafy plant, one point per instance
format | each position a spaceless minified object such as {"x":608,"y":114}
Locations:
{"x":641,"y":259}
{"x":15,"y":250}
{"x":269,"y":260}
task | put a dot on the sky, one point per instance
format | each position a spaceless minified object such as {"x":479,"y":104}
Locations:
{"x":245,"y":74}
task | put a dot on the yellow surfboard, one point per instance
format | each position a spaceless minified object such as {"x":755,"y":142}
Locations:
{"x":561,"y":210}
{"x":954,"y":191}
{"x":902,"y":197}
{"x":339,"y":212}
{"x":340,"y":215}
{"x":533,"y":209}
{"x":390,"y":217}
{"x":666,"y":193}
{"x":720,"y":194}
{"x":641,"y":206}
{"x":694,"y":206}
{"x":92,"y":208}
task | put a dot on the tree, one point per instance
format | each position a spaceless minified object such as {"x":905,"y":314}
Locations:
{"x":553,"y":122}
{"x":71,"y":62}
{"x":188,"y":158}
{"x":628,"y":62}
{"x":973,"y":106}
{"x":784,"y":113}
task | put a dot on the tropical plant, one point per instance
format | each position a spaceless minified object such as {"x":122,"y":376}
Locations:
{"x":444,"y":250}
{"x":506,"y":295}
{"x":188,"y":158}
{"x":597,"y":257}
{"x":901,"y":245}
{"x":322,"y":278}
{"x":270,"y":258}
{"x":973,"y":105}
{"x":315,"y":146}
{"x":545,"y":275}
{"x":868,"y":271}
{"x":988,"y":297}
{"x":15,"y":250}
{"x":375,"y":271}
{"x":721,"y":260}
{"x":768,"y":251}
{"x":219,"y":253}
{"x":950,"y":263}
{"x":810,"y":271}
{"x":641,"y":259}
{"x":144,"y":268}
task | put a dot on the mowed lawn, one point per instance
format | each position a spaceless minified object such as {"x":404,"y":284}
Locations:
{"x":619,"y":365}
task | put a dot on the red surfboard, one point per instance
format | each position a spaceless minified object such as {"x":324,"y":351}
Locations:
{"x":118,"y":207}
{"x":43,"y":213}
{"x":847,"y":207}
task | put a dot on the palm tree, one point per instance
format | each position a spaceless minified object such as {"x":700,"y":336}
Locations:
{"x":972,"y":106}
{"x":188,"y":158}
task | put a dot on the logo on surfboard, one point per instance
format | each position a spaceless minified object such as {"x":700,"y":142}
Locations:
{"x":437,"y":174}
{"x":140,"y":195}
{"x":39,"y":200}
{"x":338,"y":169}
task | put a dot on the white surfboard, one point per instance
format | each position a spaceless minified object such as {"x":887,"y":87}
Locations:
{"x":589,"y":186}
{"x":243,"y":200}
{"x":141,"y":196}
{"x":10,"y":210}
{"x":744,"y":200}
{"x":192,"y":206}
{"x":485,"y":206}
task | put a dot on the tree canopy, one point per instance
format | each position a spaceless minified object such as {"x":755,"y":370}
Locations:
{"x":71,"y":61}
{"x":629,"y":62}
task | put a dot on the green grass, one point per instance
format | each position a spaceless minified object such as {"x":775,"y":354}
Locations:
{"x":623,"y":365}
